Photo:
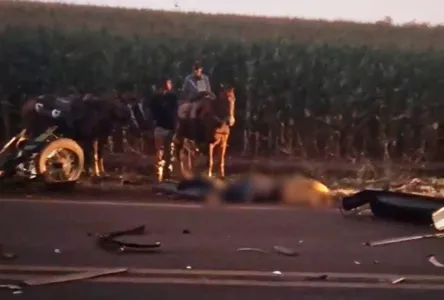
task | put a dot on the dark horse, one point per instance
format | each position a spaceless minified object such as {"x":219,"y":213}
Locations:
{"x":213,"y":118}
{"x":87,"y":119}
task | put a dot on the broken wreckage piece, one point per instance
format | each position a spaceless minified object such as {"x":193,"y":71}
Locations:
{"x":395,"y":205}
{"x":109,"y":242}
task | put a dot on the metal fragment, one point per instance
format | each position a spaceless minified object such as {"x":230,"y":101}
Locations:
{"x":435,"y":262}
{"x":109,"y":241}
{"x":403,"y":239}
{"x":251,"y":250}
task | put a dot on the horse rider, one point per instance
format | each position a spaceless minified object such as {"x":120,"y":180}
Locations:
{"x":163,"y":108}
{"x":195,"y":87}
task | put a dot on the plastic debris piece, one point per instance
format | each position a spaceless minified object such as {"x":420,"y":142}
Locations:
{"x":17,"y":292}
{"x":57,"y":251}
{"x":398,"y":280}
{"x":277,"y":273}
{"x":189,"y":268}
{"x":435,"y":262}
{"x":285,"y":251}
{"x":74,"y":277}
{"x":251,"y":250}
{"x":403,"y":239}
{"x":357,"y":262}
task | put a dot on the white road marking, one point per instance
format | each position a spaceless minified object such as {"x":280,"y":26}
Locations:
{"x":156,"y":205}
{"x":221,"y":273}
{"x":383,"y":281}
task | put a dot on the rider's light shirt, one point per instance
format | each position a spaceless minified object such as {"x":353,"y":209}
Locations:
{"x":192,"y":86}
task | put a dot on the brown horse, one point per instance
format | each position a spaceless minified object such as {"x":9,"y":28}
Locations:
{"x":87,"y":119}
{"x":211,"y":126}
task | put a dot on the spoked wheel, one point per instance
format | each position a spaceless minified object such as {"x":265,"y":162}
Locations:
{"x":61,"y":161}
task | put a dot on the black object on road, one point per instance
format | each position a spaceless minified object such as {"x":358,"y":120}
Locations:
{"x":411,"y":208}
{"x":109,"y":242}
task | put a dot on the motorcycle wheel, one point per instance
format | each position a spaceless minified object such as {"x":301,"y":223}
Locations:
{"x":60,"y":161}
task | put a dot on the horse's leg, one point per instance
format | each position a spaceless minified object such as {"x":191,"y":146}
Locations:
{"x":211,"y":147}
{"x":95,"y":148}
{"x":159,"y":141}
{"x":101,"y":147}
{"x":223,"y":150}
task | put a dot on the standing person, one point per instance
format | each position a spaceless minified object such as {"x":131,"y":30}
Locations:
{"x":163,"y":108}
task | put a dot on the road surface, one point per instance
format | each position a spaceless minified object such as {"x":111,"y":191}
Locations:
{"x":199,"y":257}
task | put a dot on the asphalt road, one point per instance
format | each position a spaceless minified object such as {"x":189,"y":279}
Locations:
{"x":55,"y":234}
{"x":94,"y":291}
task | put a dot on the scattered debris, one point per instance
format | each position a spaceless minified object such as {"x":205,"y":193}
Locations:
{"x":438,"y":219}
{"x":398,"y":280}
{"x":403,"y":239}
{"x":6,"y":255}
{"x":74,"y":277}
{"x":435,"y":262}
{"x":109,"y":241}
{"x":13,"y":287}
{"x":285,"y":251}
{"x":412,"y":208}
{"x":252,"y":250}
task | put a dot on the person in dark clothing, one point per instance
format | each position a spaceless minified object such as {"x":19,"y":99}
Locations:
{"x":163,"y":108}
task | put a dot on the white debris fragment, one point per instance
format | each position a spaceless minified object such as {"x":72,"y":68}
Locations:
{"x":357,"y":262}
{"x":57,"y":251}
{"x":301,"y":241}
{"x":435,"y":262}
{"x":10,"y":286}
{"x":17,"y":292}
{"x":285,"y":251}
{"x":277,"y":273}
{"x":398,"y":280}
{"x":189,"y":268}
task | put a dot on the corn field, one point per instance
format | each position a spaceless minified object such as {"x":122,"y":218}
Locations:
{"x":310,"y":89}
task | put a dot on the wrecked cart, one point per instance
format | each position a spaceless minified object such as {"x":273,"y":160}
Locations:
{"x":46,"y":157}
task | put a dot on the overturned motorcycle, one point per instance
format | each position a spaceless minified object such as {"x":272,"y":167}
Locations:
{"x":47,"y":157}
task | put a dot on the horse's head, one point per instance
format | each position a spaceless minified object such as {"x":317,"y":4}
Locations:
{"x":227,"y":99}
